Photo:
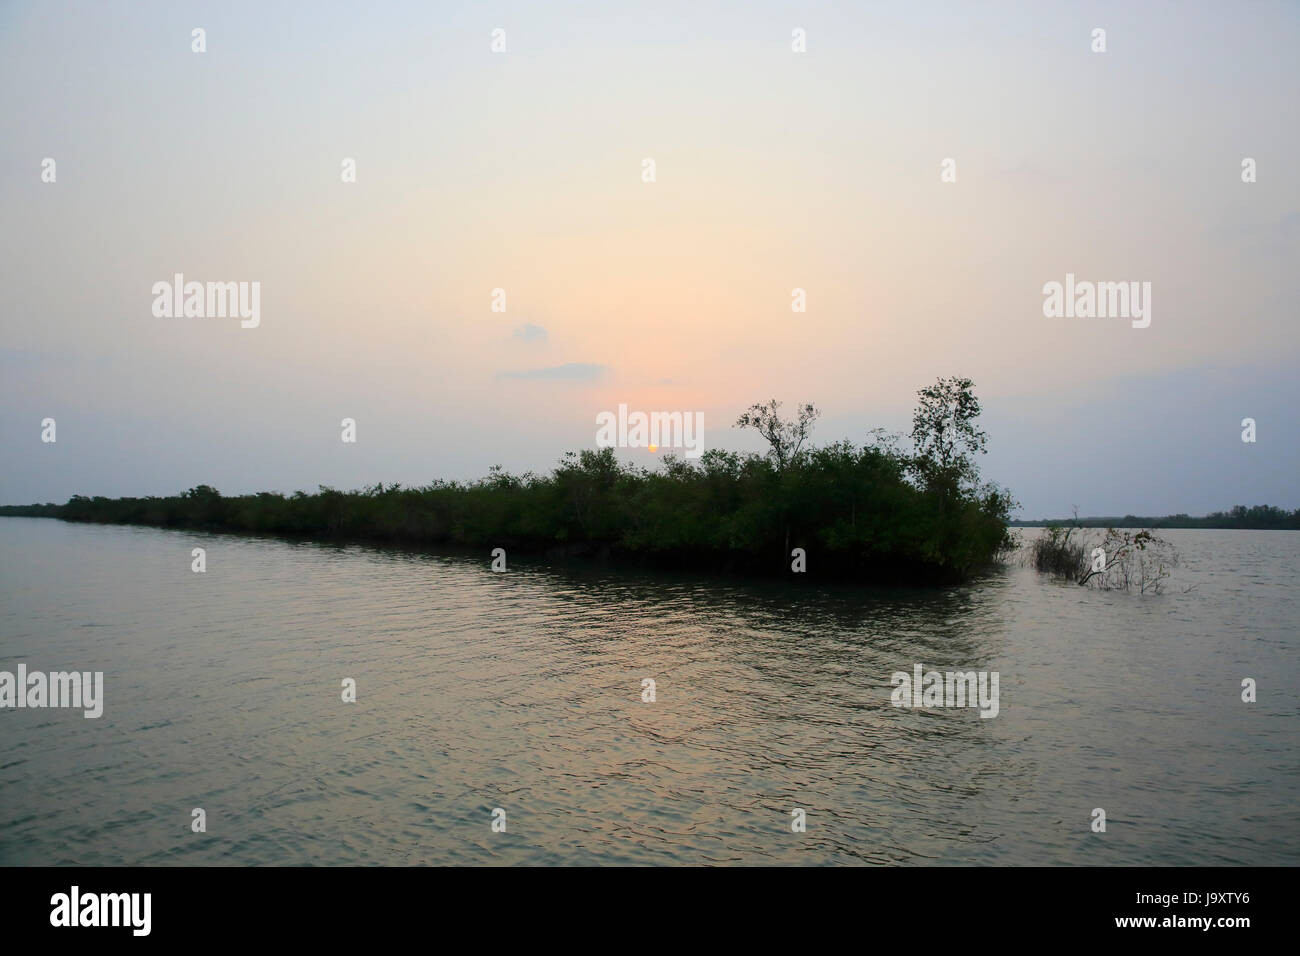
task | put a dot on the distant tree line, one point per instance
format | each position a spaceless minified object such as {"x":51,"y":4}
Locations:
{"x":1259,"y":517}
{"x":865,"y":512}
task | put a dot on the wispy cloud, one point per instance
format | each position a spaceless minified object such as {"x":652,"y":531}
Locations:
{"x":529,"y":333}
{"x":569,"y":372}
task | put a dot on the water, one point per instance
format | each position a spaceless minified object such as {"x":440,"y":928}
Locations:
{"x":523,"y":691}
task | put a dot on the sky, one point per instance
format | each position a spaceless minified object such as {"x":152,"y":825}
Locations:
{"x":523,"y":170}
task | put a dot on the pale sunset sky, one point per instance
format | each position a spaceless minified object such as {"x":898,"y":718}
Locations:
{"x":522,"y":170}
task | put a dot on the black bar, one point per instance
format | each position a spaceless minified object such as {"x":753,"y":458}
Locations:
{"x":950,"y":906}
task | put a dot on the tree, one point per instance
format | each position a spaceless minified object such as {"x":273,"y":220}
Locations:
{"x":786,"y":438}
{"x":944,"y":434}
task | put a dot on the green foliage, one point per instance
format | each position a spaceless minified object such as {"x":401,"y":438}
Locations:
{"x":1054,"y":553}
{"x":850,"y":507}
{"x":785,"y":438}
{"x":944,"y":433}
{"x":853,"y":509}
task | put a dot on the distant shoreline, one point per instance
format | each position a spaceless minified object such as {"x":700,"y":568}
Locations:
{"x":1240,"y":518}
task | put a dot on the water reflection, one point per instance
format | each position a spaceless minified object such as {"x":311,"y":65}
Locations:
{"x":523,"y":691}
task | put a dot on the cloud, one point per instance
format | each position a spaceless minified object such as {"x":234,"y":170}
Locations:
{"x":529,"y":333}
{"x":569,"y":372}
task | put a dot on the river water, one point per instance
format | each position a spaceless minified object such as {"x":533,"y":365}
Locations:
{"x":523,"y":691}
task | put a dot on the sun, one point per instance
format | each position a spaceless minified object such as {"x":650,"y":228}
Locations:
{"x":653,"y":448}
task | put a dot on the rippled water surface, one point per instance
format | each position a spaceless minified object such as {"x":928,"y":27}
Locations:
{"x":523,"y":691}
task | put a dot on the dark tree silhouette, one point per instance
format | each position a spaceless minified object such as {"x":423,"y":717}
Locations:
{"x":786,"y":438}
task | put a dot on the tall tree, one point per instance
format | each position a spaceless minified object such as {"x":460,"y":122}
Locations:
{"x":786,"y":437}
{"x":944,"y":434}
